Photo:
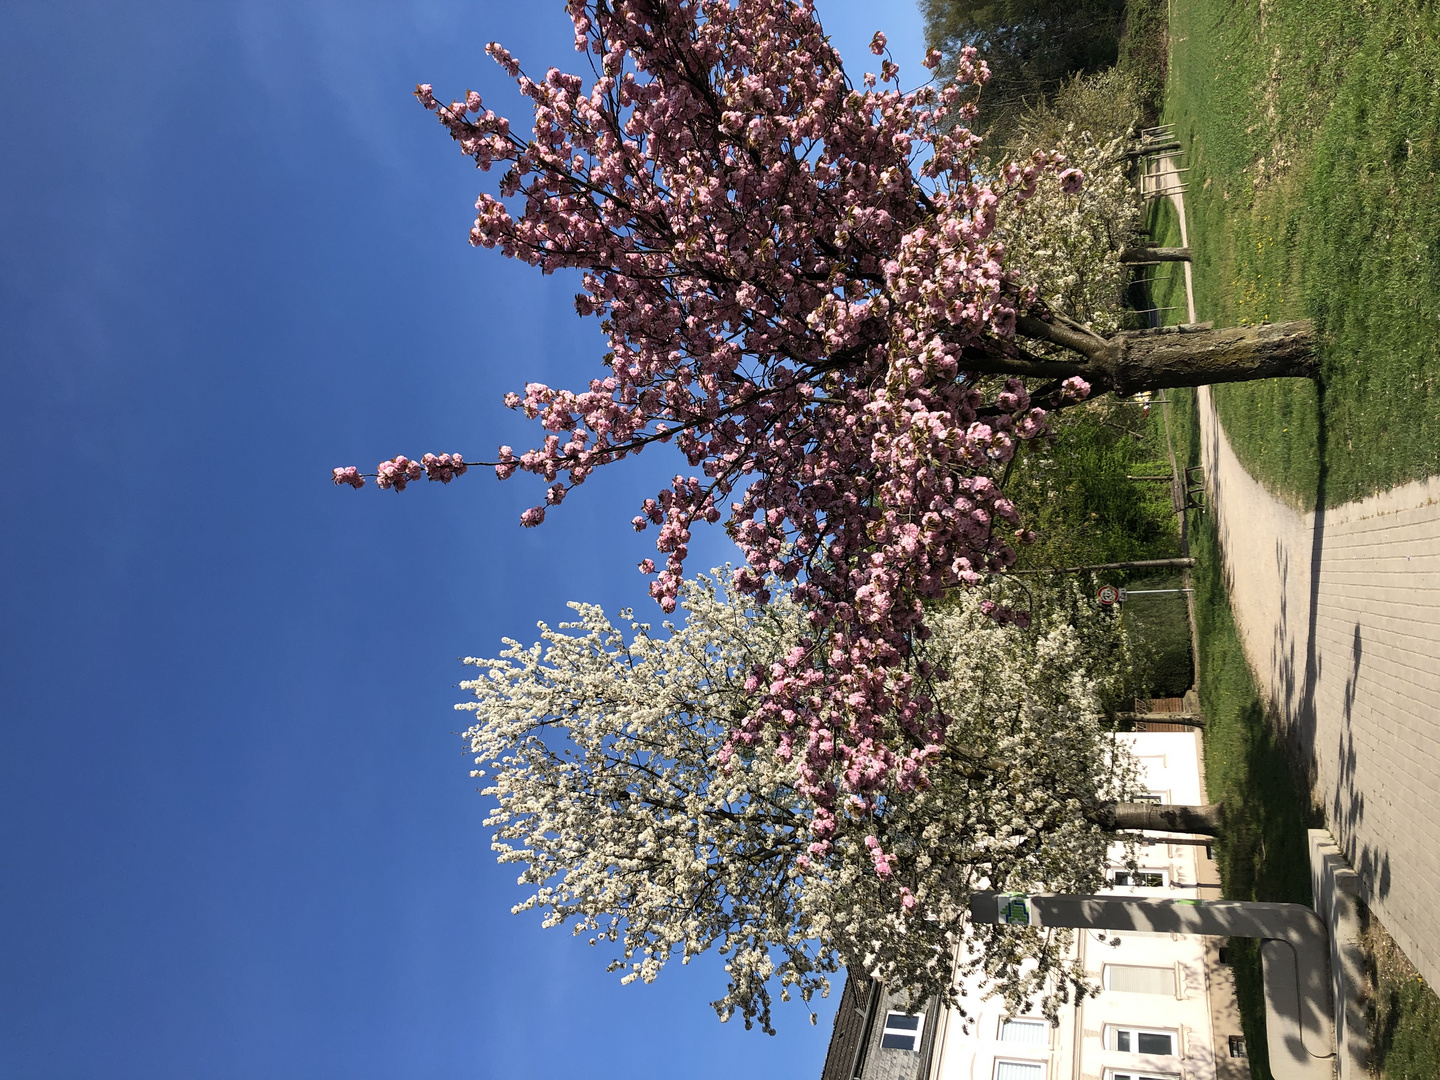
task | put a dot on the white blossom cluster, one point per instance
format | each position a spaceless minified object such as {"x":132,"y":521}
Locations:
{"x":1067,"y":247}
{"x":603,"y":752}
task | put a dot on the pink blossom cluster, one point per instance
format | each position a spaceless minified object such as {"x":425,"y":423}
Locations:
{"x":350,"y":475}
{"x":802,"y":289}
{"x":443,"y":467}
{"x":398,"y":472}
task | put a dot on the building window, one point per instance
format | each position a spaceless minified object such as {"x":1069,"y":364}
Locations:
{"x":902,"y":1031}
{"x":1132,"y":979}
{"x":1112,"y":1074}
{"x":1025,"y":1032}
{"x":1140,"y":1041}
{"x":1224,"y":953}
{"x":1149,"y":796}
{"x":1019,"y":1070}
{"x":1144,"y":879}
{"x":1237,"y":1046}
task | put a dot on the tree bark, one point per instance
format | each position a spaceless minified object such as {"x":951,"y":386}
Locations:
{"x":1137,"y":360}
{"x":1142,"y":149}
{"x":1160,"y":817}
{"x":1135,"y":256}
{"x":1181,"y":356}
{"x":1138,"y":564}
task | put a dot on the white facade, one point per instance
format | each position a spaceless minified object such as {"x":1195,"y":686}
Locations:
{"x":1166,"y":1010}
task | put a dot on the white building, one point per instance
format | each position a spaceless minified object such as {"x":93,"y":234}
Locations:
{"x":1167,"y":1008}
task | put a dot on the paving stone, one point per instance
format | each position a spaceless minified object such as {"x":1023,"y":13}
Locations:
{"x":1339,"y":614}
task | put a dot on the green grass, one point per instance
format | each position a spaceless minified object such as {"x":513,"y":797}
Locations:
{"x":1406,"y":1019}
{"x":1314,"y":135}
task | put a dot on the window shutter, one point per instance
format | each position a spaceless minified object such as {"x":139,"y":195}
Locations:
{"x":1130,"y":979}
{"x":1019,"y":1070}
{"x":1025,"y":1032}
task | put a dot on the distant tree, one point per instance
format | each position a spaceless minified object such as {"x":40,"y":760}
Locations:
{"x":1031,"y":46}
{"x":643,"y":827}
{"x":804,"y":288}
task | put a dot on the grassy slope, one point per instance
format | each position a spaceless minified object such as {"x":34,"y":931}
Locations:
{"x":1314,"y":135}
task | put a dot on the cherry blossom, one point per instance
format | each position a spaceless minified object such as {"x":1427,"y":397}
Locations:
{"x":795,"y":277}
{"x":398,"y":472}
{"x":805,"y":291}
{"x":350,"y":475}
{"x":443,"y":467}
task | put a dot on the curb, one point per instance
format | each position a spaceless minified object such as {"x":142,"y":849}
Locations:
{"x":1336,"y":888}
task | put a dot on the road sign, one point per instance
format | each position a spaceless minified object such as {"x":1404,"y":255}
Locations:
{"x":1014,"y":909}
{"x":1109,"y":594}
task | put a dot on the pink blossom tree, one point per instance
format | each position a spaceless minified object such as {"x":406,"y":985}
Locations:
{"x":803,"y":286}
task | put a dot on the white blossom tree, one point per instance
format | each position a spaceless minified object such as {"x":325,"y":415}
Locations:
{"x":645,"y":826}
{"x":1069,"y":247}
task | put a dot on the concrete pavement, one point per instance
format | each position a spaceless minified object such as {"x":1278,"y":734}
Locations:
{"x":1339,"y":613}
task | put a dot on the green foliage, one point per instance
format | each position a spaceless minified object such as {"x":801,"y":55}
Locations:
{"x":1314,"y":136}
{"x":1032,"y":46}
{"x":1075,"y":494}
{"x":1160,"y":627}
{"x":1145,"y":54}
{"x":1105,"y":104}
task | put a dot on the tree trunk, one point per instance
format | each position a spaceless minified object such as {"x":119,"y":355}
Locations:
{"x":1143,"y":149}
{"x":1136,"y":360}
{"x":1160,"y":817}
{"x":1139,"y":256}
{"x":1138,"y":564}
{"x":1200,"y":356}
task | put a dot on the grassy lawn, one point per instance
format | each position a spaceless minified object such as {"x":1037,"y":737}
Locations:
{"x":1314,"y":135}
{"x":1407,"y":1014}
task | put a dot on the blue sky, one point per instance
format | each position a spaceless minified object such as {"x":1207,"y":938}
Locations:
{"x":240,"y":838}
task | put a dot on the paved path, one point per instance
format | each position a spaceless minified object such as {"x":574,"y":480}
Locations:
{"x":1339,"y":613}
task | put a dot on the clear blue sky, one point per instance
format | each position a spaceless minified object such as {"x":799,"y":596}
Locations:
{"x":240,"y":838}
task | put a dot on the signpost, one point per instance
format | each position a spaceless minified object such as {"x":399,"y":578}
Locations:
{"x":1109,"y":595}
